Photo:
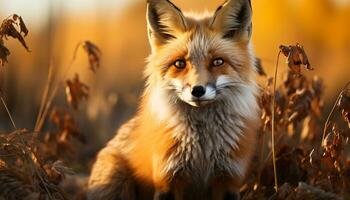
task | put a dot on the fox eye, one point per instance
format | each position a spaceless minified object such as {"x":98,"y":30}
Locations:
{"x":217,"y":62}
{"x":180,"y":64}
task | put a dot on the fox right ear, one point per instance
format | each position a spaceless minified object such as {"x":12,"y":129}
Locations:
{"x":164,"y":21}
{"x":234,"y":19}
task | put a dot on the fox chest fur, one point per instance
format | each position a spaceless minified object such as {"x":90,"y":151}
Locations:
{"x":204,"y":142}
{"x":207,"y":141}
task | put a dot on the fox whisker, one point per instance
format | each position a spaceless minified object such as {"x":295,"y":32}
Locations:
{"x":229,"y":84}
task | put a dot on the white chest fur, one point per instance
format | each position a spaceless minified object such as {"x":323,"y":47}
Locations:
{"x":205,"y":141}
{"x":206,"y":137}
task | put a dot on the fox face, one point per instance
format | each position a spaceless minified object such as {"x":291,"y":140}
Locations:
{"x":195,"y":58}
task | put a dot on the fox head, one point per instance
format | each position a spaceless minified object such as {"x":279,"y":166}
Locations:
{"x":199,"y":59}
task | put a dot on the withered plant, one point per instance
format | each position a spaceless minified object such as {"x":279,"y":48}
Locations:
{"x":31,"y":166}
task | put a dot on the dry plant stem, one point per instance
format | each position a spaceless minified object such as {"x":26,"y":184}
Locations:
{"x":273,"y":122}
{"x":268,"y":157}
{"x":45,"y":95}
{"x":261,"y":150}
{"x":55,"y":89}
{"x":332,"y":111}
{"x":29,"y":159}
{"x":8,"y":112}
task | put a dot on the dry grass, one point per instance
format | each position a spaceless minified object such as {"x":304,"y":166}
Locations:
{"x":31,"y":162}
{"x":30,"y":165}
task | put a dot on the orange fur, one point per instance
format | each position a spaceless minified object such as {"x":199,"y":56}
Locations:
{"x":180,"y":144}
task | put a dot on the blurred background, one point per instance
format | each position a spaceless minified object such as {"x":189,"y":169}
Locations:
{"x":118,"y":27}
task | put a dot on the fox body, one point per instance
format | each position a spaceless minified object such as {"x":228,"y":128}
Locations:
{"x":194,"y":134}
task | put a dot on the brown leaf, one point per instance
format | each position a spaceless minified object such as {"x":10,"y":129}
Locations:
{"x":64,"y":141}
{"x":344,"y":106}
{"x":296,"y":56}
{"x":317,"y":86}
{"x":265,"y":101}
{"x":57,"y":171}
{"x":303,"y":57}
{"x":333,"y":143}
{"x":285,"y":50}
{"x":294,"y":60}
{"x":310,"y":129}
{"x":4,"y":53}
{"x":94,"y":55}
{"x":76,"y":91}
{"x":23,"y":27}
{"x":8,"y":29}
{"x":299,"y":105}
{"x":65,"y":122}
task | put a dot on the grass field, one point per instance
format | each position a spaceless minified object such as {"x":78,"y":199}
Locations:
{"x":69,"y":82}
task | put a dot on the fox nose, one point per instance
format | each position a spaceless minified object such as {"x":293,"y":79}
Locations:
{"x":198,"y":91}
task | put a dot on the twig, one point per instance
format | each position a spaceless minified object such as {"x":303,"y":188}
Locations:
{"x":332,"y":111}
{"x":45,"y":95}
{"x":270,"y":152}
{"x":273,"y":122}
{"x":261,"y":150}
{"x":8,"y":112}
{"x":55,"y":89}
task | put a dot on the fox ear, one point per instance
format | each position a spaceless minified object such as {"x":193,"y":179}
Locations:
{"x":164,"y":21}
{"x":234,"y":19}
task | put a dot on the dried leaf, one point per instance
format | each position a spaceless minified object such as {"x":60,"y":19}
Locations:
{"x":285,"y":50}
{"x":299,"y":105}
{"x":294,"y":60}
{"x":65,"y":122}
{"x":8,"y":29}
{"x":310,"y":129}
{"x":317,"y":92}
{"x":296,"y":56}
{"x":333,"y":147}
{"x":303,"y":57}
{"x":76,"y":91}
{"x":4,"y":53}
{"x":23,"y":27}
{"x":344,"y":105}
{"x":94,"y":55}
{"x":57,"y":171}
{"x":317,"y":86}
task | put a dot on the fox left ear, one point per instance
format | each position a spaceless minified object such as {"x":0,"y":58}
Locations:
{"x":234,"y":19}
{"x":164,"y":21}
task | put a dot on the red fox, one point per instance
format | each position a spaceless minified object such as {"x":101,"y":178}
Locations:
{"x":194,"y":134}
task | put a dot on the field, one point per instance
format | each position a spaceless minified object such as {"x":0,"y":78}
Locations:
{"x":67,"y":84}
